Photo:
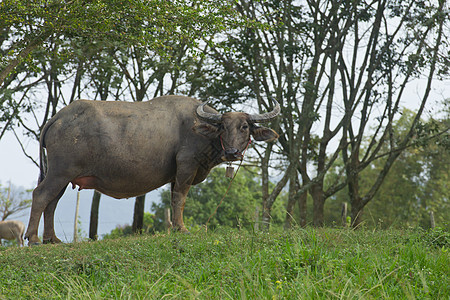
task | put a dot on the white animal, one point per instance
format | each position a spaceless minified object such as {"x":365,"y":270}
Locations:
{"x":10,"y":230}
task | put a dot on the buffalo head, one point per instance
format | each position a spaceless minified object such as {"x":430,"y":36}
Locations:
{"x":234,"y":129}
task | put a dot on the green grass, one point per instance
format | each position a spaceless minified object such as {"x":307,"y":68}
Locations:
{"x":230,"y":264}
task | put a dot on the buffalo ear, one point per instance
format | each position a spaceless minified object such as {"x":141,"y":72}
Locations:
{"x":207,"y":130}
{"x":264,"y":134}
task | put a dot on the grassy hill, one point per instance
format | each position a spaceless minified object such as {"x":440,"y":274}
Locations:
{"x":230,"y":264}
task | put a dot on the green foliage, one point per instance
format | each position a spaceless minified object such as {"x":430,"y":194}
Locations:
{"x":135,"y":22}
{"x":127,"y":230}
{"x":298,"y":264}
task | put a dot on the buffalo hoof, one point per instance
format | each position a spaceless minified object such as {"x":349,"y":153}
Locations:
{"x":30,"y":244}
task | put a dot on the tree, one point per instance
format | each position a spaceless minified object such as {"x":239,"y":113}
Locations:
{"x":418,"y":180}
{"x":13,"y":200}
{"x":332,"y":66}
{"x":416,"y":184}
{"x":248,"y":66}
{"x":375,"y":79}
{"x":289,"y":62}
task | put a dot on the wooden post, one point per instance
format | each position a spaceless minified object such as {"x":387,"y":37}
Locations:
{"x":344,"y":214}
{"x":167,"y":220}
{"x":256,"y":220}
{"x":432,"y":223}
{"x":75,"y":223}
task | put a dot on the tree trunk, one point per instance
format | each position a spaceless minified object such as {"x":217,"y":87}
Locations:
{"x":268,"y":203}
{"x":294,"y":197}
{"x":302,"y":208}
{"x":138,"y":217}
{"x":318,"y":204}
{"x":265,"y":219}
{"x":291,"y":202}
{"x":289,"y":214}
{"x":93,"y":225}
{"x":353,"y":192}
{"x":356,"y":204}
{"x":356,"y":212}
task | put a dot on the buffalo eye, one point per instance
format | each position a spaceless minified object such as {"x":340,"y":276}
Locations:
{"x":244,"y":127}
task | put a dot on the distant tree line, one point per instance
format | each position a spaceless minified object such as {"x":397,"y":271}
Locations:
{"x":13,"y":201}
{"x":340,"y":70}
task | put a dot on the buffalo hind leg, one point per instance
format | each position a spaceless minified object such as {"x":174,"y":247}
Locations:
{"x":49,"y":225}
{"x":47,"y":191}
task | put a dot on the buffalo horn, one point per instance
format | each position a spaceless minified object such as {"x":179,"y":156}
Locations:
{"x":206,"y":116}
{"x":266,"y":117}
{"x":257,"y":118}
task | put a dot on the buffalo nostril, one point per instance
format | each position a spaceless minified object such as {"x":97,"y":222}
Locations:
{"x":231,"y":151}
{"x":232,"y":154}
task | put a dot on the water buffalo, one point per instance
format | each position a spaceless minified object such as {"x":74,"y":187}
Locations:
{"x":10,"y":230}
{"x":126,"y":149}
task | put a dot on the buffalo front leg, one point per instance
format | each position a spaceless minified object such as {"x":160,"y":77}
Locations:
{"x":180,"y":190}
